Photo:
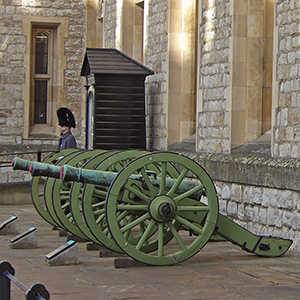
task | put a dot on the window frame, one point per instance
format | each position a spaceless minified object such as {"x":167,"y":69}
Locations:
{"x":36,"y":127}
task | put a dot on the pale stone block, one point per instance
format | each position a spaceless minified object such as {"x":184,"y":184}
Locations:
{"x":257,"y":194}
{"x":262,"y":216}
{"x":249,"y":213}
{"x":287,"y":219}
{"x":240,"y":27}
{"x":285,"y":199}
{"x":255,"y":25}
{"x":255,"y":214}
{"x":274,"y":217}
{"x":284,"y":150}
{"x":241,"y":212}
{"x":223,"y":207}
{"x":232,"y":209}
{"x":240,"y":7}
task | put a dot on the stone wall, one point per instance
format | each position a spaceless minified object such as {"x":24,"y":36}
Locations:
{"x":110,"y":21}
{"x":262,"y":210}
{"x":287,"y":74}
{"x":261,"y":194}
{"x":156,"y":58}
{"x":13,"y":71}
{"x":213,"y":122}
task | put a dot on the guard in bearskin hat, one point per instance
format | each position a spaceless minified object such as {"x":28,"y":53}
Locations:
{"x":66,"y":121}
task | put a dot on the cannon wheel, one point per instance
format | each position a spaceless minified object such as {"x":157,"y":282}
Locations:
{"x":37,"y":185}
{"x":57,"y":193}
{"x":93,"y":198}
{"x":195,"y":209}
{"x":76,"y":200}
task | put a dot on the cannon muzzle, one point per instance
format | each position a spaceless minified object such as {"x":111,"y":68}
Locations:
{"x":21,"y":164}
{"x":36,"y":168}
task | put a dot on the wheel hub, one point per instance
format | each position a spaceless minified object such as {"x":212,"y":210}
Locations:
{"x":162,"y":208}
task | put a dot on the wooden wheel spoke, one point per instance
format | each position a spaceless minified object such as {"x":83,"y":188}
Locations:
{"x":99,"y":212}
{"x":70,"y":217}
{"x":136,"y":192}
{"x":100,"y":193}
{"x":122,"y":215}
{"x":106,"y":231}
{"x":160,"y":239}
{"x":189,"y":225}
{"x":176,"y":236}
{"x":134,"y":223}
{"x":132,"y":207}
{"x":145,"y":235}
{"x":178,"y":181}
{"x":148,"y":182}
{"x":98,"y":204}
{"x":100,"y":218}
{"x":163,"y":174}
{"x":189,"y":193}
{"x":64,"y":206}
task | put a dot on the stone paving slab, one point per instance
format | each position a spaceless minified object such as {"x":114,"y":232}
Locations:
{"x":219,"y":271}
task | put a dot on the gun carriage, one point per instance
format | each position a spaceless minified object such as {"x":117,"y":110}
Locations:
{"x":160,"y":208}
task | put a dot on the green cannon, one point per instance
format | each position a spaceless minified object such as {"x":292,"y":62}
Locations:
{"x":159,"y":208}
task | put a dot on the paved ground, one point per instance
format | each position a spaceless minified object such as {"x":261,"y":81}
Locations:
{"x":219,"y":271}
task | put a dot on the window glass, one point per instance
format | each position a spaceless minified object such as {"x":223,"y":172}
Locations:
{"x":41,"y":54}
{"x":40,"y":102}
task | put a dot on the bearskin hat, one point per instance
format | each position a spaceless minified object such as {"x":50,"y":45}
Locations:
{"x":65,"y":117}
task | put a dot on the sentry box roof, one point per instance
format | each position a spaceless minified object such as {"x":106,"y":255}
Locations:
{"x":111,"y":61}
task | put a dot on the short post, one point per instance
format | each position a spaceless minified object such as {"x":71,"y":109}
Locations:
{"x":39,"y":156}
{"x":10,"y":226}
{"x":5,"y":285}
{"x":37,"y":291}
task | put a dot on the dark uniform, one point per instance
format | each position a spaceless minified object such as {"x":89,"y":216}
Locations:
{"x":66,"y":118}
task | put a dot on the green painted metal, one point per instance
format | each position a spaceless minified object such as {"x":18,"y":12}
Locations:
{"x":20,"y":164}
{"x":61,"y":193}
{"x":42,"y":169}
{"x":260,"y":245}
{"x":38,"y":182}
{"x":94,"y":196}
{"x":160,"y":208}
{"x":76,"y":198}
{"x":49,"y":198}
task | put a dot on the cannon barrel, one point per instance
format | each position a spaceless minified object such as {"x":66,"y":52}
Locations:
{"x":42,"y":169}
{"x":36,"y":168}
{"x":69,"y":173}
{"x":21,"y":164}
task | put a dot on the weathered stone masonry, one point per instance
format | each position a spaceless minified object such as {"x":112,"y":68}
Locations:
{"x":259,"y":193}
{"x":156,"y":86}
{"x":287,"y":74}
{"x":213,"y":122}
{"x":13,"y":71}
